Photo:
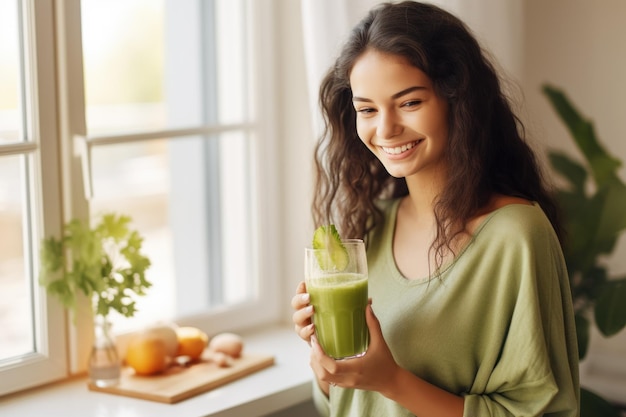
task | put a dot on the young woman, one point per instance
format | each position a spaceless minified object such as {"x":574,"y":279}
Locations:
{"x":423,"y":158}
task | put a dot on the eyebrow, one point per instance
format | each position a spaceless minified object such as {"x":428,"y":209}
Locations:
{"x":394,"y":96}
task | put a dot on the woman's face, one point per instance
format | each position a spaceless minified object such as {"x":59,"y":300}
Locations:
{"x":399,"y":116}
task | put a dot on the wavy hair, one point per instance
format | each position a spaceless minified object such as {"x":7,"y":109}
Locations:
{"x":487,"y":151}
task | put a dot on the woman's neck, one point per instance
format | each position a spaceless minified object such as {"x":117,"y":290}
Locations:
{"x":423,"y":192}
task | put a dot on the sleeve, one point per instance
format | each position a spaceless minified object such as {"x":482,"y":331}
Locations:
{"x":536,"y":371}
{"x":320,"y":400}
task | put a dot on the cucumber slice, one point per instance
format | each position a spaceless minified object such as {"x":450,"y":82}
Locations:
{"x":333,"y":255}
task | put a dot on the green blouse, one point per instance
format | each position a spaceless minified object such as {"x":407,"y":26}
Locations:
{"x":497,"y":327}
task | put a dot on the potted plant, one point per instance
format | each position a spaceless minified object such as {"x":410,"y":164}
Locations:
{"x":594,"y":209}
{"x":105,"y":264}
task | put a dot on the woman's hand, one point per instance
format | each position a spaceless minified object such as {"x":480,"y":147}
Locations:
{"x":374,"y":371}
{"x":377,"y":370}
{"x":304,"y":311}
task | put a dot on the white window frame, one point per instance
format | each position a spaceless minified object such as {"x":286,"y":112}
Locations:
{"x":59,"y":105}
{"x":50,"y":361}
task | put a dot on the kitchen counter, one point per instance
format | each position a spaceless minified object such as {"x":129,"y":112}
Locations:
{"x":283,"y":385}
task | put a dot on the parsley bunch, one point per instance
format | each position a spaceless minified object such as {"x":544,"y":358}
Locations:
{"x":105,"y":263}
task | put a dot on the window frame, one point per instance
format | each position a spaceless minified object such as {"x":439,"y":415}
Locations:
{"x":59,"y":108}
{"x":49,"y":362}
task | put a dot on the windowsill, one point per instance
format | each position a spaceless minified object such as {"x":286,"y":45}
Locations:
{"x":285,"y":384}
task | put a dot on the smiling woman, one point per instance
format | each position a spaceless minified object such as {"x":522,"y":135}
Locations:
{"x":405,"y":123}
{"x":448,"y":195}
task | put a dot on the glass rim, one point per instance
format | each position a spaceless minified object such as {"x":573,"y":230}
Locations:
{"x":344,"y":241}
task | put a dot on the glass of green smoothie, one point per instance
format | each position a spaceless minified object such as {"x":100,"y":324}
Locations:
{"x":337,"y":286}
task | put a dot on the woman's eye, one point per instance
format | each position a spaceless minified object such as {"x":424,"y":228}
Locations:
{"x":366,"y":110}
{"x":412,"y":103}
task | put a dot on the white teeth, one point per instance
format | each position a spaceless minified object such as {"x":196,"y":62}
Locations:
{"x":399,"y":149}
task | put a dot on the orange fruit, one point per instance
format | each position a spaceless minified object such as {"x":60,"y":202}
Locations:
{"x":147,"y":354}
{"x":191,"y":342}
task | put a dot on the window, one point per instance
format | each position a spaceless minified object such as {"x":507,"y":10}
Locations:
{"x":160,"y":118}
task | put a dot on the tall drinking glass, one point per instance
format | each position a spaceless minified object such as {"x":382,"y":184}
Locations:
{"x":339,"y":299}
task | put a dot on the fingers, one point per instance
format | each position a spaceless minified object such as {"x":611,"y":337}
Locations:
{"x":373,"y":325}
{"x":328,"y":370}
{"x":303,"y":313}
{"x":301,"y":299}
{"x":371,"y":319}
{"x":302,"y":321}
{"x":303,"y":310}
{"x":305,"y":332}
{"x":320,"y":361}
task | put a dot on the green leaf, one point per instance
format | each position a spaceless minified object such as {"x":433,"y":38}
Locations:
{"x":63,"y":290}
{"x":591,"y":405}
{"x":116,"y":227}
{"x":102,"y":262}
{"x":610,"y":308}
{"x":613,"y":214}
{"x":603,"y":166}
{"x":582,"y":330}
{"x":608,"y":216}
{"x":582,"y":216}
{"x":572,"y":171}
{"x":51,"y":255}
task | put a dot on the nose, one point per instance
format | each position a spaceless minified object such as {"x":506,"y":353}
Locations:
{"x":388,"y":125}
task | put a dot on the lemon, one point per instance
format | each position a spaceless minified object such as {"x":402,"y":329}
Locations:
{"x":191,"y":342}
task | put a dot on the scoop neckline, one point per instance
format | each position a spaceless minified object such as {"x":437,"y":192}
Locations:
{"x":446,"y":267}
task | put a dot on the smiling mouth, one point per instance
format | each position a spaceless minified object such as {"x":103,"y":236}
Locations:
{"x":400,"y":149}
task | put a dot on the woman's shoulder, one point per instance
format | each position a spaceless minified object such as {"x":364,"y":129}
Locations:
{"x":512,"y":216}
{"x":503,"y":208}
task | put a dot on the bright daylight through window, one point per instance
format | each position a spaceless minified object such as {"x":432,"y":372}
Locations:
{"x":186,"y":190}
{"x":171,"y":136}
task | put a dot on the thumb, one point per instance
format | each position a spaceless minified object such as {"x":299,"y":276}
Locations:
{"x":372,"y":323}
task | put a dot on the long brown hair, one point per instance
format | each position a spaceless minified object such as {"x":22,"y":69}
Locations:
{"x":487,"y":152}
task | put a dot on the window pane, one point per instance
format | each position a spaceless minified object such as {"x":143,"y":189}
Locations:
{"x":10,"y":97}
{"x":16,"y":337}
{"x":123,"y":61}
{"x":134,"y":180}
{"x":163,"y":53}
{"x":191,"y":203}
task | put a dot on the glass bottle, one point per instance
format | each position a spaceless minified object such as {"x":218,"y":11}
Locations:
{"x":104,"y":363}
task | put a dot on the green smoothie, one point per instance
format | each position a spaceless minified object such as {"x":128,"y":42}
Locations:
{"x":339,"y":302}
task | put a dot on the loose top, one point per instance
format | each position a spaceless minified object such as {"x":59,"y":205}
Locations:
{"x":497,"y":326}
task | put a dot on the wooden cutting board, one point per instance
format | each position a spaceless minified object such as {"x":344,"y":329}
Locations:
{"x":179,"y":383}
